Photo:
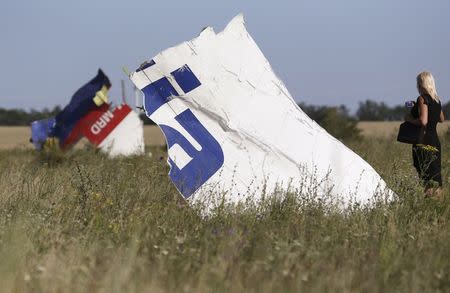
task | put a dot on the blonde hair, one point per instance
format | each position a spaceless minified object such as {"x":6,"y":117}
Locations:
{"x":426,"y":85}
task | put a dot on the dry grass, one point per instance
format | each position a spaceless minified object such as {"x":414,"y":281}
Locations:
{"x":13,"y":137}
{"x":85,"y":223}
{"x":18,"y":136}
{"x":390,"y":128}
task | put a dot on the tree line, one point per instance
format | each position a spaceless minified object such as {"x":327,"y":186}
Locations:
{"x":18,"y":117}
{"x":367,"y":111}
{"x":379,"y":111}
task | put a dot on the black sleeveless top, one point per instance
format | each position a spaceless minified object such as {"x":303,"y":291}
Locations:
{"x":434,"y":114}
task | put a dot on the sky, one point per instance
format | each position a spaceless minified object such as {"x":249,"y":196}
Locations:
{"x":327,"y":52}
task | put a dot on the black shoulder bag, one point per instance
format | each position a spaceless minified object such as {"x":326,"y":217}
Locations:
{"x":410,"y":133}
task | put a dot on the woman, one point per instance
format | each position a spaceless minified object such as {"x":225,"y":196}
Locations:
{"x":426,"y":113}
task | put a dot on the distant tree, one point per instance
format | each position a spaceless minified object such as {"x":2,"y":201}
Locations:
{"x":335,"y":120}
{"x":379,"y":111}
{"x":397,"y":113}
{"x":18,"y":117}
{"x":371,"y":111}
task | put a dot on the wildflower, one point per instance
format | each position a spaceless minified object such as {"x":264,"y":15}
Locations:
{"x":97,"y":195}
{"x":109,"y":202}
{"x":428,"y":148}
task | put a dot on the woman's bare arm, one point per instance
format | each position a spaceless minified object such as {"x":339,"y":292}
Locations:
{"x":423,"y":114}
{"x":441,"y":117}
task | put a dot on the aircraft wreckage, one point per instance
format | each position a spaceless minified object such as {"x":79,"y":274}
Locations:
{"x":114,"y":130}
{"x":234,"y":133}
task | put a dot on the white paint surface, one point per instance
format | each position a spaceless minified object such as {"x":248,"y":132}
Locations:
{"x":267,"y":140}
{"x":126,"y":139}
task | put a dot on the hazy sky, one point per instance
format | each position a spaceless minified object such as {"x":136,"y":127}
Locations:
{"x":326,"y":51}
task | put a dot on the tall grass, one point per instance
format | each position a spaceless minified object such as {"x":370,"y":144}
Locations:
{"x":83,"y":222}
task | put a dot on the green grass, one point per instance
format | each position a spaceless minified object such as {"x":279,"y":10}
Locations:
{"x":83,"y":223}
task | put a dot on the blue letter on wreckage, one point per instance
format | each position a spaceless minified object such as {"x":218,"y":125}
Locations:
{"x":204,"y":163}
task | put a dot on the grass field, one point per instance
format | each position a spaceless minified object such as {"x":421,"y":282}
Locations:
{"x":13,"y":137}
{"x":18,"y":136}
{"x":388,"y":129}
{"x":85,"y":223}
